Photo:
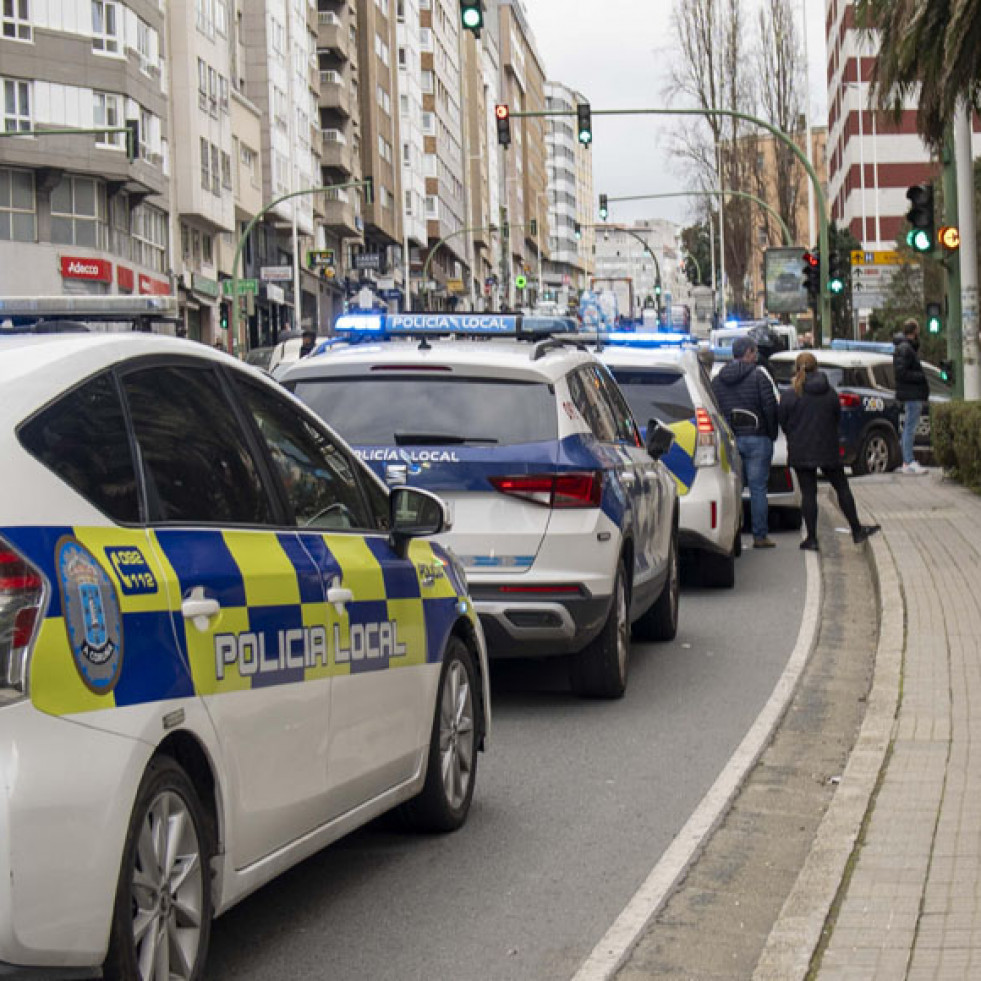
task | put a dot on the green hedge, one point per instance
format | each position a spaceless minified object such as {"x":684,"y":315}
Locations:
{"x":956,"y":439}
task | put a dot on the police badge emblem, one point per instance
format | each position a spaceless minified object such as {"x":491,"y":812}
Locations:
{"x":93,"y":620}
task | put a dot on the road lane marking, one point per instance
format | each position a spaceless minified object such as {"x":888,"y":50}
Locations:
{"x":613,"y":950}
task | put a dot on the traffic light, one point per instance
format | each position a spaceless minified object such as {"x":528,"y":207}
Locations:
{"x":657,"y":288}
{"x":934,"y":318}
{"x":577,"y":228}
{"x":947,"y":371}
{"x":920,"y":217}
{"x":604,"y":211}
{"x":836,"y":279}
{"x":585,"y":124}
{"x":503,"y":115}
{"x":472,"y":15}
{"x":949,"y":237}
{"x":132,"y":139}
{"x":224,"y":316}
{"x":811,"y":274}
{"x":520,"y":281}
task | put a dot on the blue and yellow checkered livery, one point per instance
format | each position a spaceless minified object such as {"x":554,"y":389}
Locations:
{"x":275,"y":625}
{"x":680,"y":458}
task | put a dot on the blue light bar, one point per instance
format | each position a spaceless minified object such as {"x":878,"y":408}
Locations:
{"x":380,"y":326}
{"x":879,"y":347}
{"x":649,"y":339}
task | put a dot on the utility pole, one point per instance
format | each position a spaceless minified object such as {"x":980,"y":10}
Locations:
{"x":955,"y":349}
{"x":968,"y":252}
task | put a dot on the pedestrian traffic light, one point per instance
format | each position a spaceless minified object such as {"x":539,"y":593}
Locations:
{"x":604,"y":210}
{"x":920,"y":216}
{"x":811,"y":274}
{"x":224,"y":316}
{"x":584,"y":119}
{"x":836,"y":278}
{"x":947,"y":371}
{"x":132,"y":139}
{"x":472,"y":15}
{"x":503,"y":115}
{"x":577,"y":228}
{"x":934,"y":318}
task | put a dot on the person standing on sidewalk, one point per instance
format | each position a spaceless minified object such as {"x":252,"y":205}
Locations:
{"x":745,"y":395}
{"x":809,"y":414}
{"x":911,"y":389}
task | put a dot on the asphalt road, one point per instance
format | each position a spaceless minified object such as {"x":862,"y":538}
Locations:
{"x":575,"y":803}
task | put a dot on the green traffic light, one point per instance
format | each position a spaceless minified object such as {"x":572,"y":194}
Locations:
{"x":585,"y":136}
{"x":836,"y":286}
{"x":933,"y":325}
{"x":919,"y":240}
{"x":521,"y":282}
{"x":472,"y":18}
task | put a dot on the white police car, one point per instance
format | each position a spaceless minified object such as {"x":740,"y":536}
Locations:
{"x":222,"y":646}
{"x":662,"y":378}
{"x":565,"y":523}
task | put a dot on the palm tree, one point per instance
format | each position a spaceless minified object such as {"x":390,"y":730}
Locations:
{"x":929,"y":46}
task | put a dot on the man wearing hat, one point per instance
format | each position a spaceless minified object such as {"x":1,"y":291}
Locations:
{"x":309,"y":341}
{"x":745,"y":395}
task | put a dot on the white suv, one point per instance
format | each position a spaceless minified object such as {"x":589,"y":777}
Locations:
{"x":565,"y":522}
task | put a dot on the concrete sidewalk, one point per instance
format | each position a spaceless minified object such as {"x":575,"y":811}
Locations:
{"x":892,"y":886}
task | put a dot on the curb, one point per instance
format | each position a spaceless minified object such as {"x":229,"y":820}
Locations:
{"x":617,"y":944}
{"x":796,"y":935}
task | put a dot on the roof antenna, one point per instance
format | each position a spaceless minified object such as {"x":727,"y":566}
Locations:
{"x":424,"y":344}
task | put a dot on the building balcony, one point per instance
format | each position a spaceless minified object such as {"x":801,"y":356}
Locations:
{"x":339,"y":214}
{"x":335,"y":93}
{"x":335,"y":152}
{"x":333,"y":34}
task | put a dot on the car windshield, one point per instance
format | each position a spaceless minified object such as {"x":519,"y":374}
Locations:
{"x":414,"y":410}
{"x":659,"y":394}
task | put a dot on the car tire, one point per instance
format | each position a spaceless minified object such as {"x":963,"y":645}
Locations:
{"x":718,"y":571}
{"x":600,"y":669}
{"x":168,"y":826}
{"x":737,"y":543}
{"x":879,"y":453}
{"x":660,"y":622}
{"x":451,"y":769}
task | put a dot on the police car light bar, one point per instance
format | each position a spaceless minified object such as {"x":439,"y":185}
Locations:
{"x":384,"y":326}
{"x":649,"y":339}
{"x":878,"y":347}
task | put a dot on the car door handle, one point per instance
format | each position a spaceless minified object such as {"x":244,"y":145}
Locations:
{"x":338,"y":595}
{"x":199,"y":609}
{"x":629,"y":479}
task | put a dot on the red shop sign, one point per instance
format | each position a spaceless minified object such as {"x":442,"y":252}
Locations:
{"x":79,"y":267}
{"x":124,"y":277}
{"x":153,"y":287}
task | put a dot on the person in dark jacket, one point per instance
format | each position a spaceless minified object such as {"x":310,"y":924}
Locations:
{"x":809,"y":415}
{"x":745,"y":395}
{"x":911,"y":389}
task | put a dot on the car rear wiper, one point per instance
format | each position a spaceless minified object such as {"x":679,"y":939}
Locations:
{"x":438,"y":439}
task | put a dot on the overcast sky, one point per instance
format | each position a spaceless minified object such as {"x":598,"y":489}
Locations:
{"x":618,"y":53}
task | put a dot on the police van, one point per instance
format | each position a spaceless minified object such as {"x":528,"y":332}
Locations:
{"x":564,"y":520}
{"x":224,"y":644}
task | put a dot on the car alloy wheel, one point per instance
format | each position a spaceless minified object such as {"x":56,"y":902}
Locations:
{"x":457,"y":734}
{"x":877,"y":454}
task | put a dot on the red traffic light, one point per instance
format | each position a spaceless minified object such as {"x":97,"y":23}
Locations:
{"x":810,"y":259}
{"x":503,"y":116}
{"x":502,"y":112}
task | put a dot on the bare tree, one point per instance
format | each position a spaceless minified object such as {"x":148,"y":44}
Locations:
{"x":713,"y":72}
{"x":780,"y":70}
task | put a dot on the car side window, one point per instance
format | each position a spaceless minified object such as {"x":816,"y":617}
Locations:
{"x":586,"y":387}
{"x":885,"y":376}
{"x":83,"y":438}
{"x":856,"y":378}
{"x":195,"y":455}
{"x":322,"y":483}
{"x":623,"y":418}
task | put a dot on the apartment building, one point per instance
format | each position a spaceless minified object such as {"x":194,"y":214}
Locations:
{"x":570,"y":197}
{"x":77,"y":216}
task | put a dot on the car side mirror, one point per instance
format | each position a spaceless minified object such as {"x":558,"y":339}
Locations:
{"x":414,"y":513}
{"x":659,"y":439}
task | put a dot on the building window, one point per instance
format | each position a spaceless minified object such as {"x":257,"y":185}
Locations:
{"x":226,"y":170}
{"x":408,"y":204}
{"x":78,"y":213}
{"x":215,"y":171}
{"x":381,"y":49}
{"x":429,"y":124}
{"x":432,"y":208}
{"x":146,"y":122}
{"x":221,"y":18}
{"x":202,"y":84}
{"x":16,"y":105}
{"x":17,"y":20}
{"x":148,"y":228}
{"x":206,"y":17}
{"x":17,"y":209}
{"x":105,"y":26}
{"x":207,"y":250}
{"x":427,"y":81}
{"x":106,"y":113}
{"x":205,"y":164}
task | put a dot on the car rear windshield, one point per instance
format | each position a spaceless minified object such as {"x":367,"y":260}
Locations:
{"x":655,"y":394}
{"x":431,"y":410}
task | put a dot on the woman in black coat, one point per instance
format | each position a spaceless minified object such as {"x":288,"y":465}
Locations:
{"x":809,"y":414}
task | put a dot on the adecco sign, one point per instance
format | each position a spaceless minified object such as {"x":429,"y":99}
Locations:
{"x":77,"y":267}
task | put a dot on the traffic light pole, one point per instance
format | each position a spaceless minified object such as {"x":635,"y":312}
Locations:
{"x":955,"y":350}
{"x":234,"y":325}
{"x":821,"y":197}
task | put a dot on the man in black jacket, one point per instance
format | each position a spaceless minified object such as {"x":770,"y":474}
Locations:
{"x":745,"y":395}
{"x":911,"y":389}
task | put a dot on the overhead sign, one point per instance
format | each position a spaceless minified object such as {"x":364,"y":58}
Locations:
{"x":887,"y":257}
{"x":368,"y":260}
{"x":276,"y":274}
{"x":783,"y":275}
{"x":454,"y":285}
{"x":872,"y":284}
{"x":243,"y":286}
{"x":93,"y":270}
{"x":320,"y":257}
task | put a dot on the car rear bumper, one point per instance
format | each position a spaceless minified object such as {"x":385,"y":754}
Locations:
{"x":538,"y":625}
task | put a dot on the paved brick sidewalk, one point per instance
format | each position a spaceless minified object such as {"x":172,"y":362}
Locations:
{"x":910,"y":906}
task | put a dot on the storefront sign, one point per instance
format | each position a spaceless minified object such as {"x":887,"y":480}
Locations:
{"x":275,"y":294}
{"x":204,"y":286}
{"x":77,"y":267}
{"x":368,"y":260}
{"x":153,"y":287}
{"x":243,"y":286}
{"x":276,"y":274}
{"x":125,"y":279}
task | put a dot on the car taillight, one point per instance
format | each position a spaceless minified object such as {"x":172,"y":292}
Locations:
{"x":560,"y":490}
{"x":849,"y":400}
{"x":706,"y":440}
{"x":21,"y":599}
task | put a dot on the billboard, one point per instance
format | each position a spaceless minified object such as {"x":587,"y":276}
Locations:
{"x":784,"y":280}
